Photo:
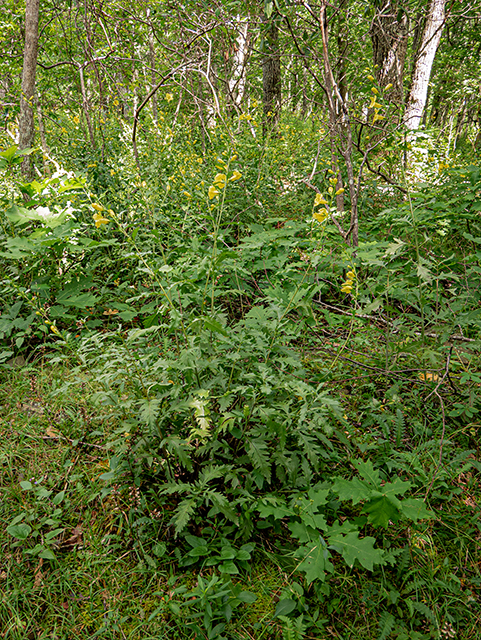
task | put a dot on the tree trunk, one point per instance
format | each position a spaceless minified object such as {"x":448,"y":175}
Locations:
{"x":237,"y":82}
{"x":424,"y":62}
{"x":26,"y":124}
{"x":389,"y":31}
{"x":271,"y":75}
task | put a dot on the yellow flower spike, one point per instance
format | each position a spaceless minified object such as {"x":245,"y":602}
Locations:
{"x":374,"y":90}
{"x":321,"y":215}
{"x":220,"y":180}
{"x":319,"y":199}
{"x":237,"y":175}
{"x":339,"y":191}
{"x":97,"y":207}
{"x":213,"y":192}
{"x":100,"y":220}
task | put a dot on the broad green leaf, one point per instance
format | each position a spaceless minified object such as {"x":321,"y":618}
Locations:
{"x":58,"y":498}
{"x":247,"y":596}
{"x":228,"y":567}
{"x":19,"y":531}
{"x":48,"y":554}
{"x":285,"y":607}
{"x":81,"y":301}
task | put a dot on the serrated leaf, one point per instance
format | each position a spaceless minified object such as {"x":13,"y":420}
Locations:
{"x":353,"y":548}
{"x":149,"y":410}
{"x":381,"y":510}
{"x":258,"y":453}
{"x":368,"y":473}
{"x":415,"y":509}
{"x":315,"y":561}
{"x":355,"y":490}
{"x":182,"y":515}
{"x":275,"y":508}
{"x":424,"y":274}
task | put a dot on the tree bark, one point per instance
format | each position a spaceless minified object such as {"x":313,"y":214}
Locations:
{"x":26,"y":124}
{"x":237,"y":82}
{"x":271,"y":75}
{"x":433,"y":29}
{"x":389,"y":32}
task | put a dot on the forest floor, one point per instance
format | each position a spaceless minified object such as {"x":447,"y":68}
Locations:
{"x":92,"y":575}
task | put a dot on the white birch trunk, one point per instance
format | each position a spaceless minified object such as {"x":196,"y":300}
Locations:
{"x":237,"y":83}
{"x":424,"y":63}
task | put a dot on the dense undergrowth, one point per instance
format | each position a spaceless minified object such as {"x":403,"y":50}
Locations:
{"x":218,"y":420}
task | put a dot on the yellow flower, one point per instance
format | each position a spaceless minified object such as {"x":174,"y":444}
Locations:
{"x":374,"y":90}
{"x":387,"y":87}
{"x":220,"y":180}
{"x":97,"y":207}
{"x":115,"y":103}
{"x":213,"y":192}
{"x":346,"y":288}
{"x":372,"y":103}
{"x":169,"y":97}
{"x":54,"y":329}
{"x":339,"y":191}
{"x":100,"y":220}
{"x":330,"y":190}
{"x":370,"y":78}
{"x":351,"y":275}
{"x":319,"y":199}
{"x":321,"y":215}
{"x":377,"y":117}
{"x":236,"y":175}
